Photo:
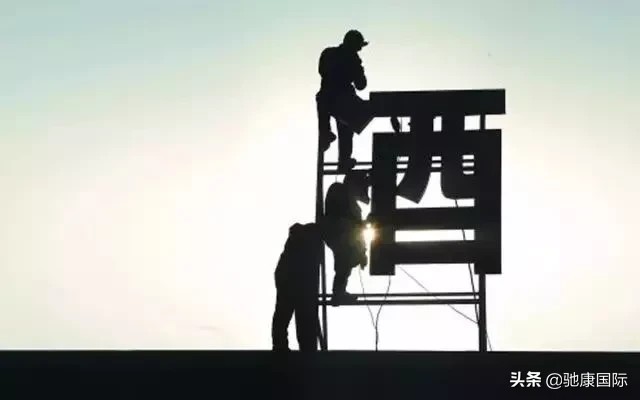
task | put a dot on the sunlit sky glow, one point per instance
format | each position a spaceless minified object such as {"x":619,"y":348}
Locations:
{"x":154,"y":154}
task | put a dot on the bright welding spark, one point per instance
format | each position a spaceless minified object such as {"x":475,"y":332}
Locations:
{"x":369,"y":234}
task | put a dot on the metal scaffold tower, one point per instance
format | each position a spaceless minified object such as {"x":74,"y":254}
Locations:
{"x":469,"y":162}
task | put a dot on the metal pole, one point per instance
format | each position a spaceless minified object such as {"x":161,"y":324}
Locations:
{"x":482,"y":318}
{"x":319,"y":212}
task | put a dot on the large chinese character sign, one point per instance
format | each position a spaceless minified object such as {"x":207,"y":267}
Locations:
{"x":470,"y":166}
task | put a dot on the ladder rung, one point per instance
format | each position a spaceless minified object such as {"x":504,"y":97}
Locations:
{"x":404,"y":302}
{"x":413,"y":294}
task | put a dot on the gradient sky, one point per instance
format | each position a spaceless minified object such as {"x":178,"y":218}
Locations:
{"x":144,"y":148}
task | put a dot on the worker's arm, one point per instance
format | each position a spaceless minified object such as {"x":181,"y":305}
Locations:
{"x":359,"y":79}
{"x":322,"y":63}
{"x":326,"y":63}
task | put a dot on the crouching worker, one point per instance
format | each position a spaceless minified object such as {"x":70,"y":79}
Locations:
{"x":297,"y":278}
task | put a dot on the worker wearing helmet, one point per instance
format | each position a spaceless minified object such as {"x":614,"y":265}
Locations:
{"x":342,"y":74}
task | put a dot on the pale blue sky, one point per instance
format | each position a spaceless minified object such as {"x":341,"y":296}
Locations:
{"x":143,"y":146}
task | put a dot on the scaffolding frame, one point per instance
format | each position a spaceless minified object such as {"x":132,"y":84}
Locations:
{"x":476,"y":298}
{"x":417,"y":104}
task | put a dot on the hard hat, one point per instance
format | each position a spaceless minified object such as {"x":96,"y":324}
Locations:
{"x":354,"y":37}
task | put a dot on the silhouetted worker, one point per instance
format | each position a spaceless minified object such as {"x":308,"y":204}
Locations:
{"x":342,"y":73}
{"x":344,"y":229}
{"x":296,"y":277}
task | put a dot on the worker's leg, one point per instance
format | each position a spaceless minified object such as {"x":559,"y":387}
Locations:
{"x":353,"y":111}
{"x":342,"y":266}
{"x":345,"y":148}
{"x":281,"y":319}
{"x":324,"y":122}
{"x":340,"y":281}
{"x":307,"y":323}
{"x":341,"y":277}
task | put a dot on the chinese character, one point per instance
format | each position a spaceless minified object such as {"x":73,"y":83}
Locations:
{"x":587,"y":379}
{"x":570,"y":380}
{"x":603,"y":379}
{"x":516,"y":379}
{"x":533,"y":379}
{"x":619,"y":379}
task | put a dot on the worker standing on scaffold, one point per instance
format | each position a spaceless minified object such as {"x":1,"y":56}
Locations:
{"x":342,"y":73}
{"x":345,"y":228}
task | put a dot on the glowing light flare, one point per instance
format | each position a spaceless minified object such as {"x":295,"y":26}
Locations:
{"x":369,"y":234}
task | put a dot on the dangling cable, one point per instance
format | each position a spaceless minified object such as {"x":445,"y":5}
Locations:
{"x":465,"y":316}
{"x":380,"y":309}
{"x":365,"y":297}
{"x":374,"y":322}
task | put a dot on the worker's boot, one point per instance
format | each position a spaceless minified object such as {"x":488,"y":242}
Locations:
{"x":326,"y":138}
{"x":340,"y":294}
{"x":342,"y":298}
{"x":346,"y":165}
